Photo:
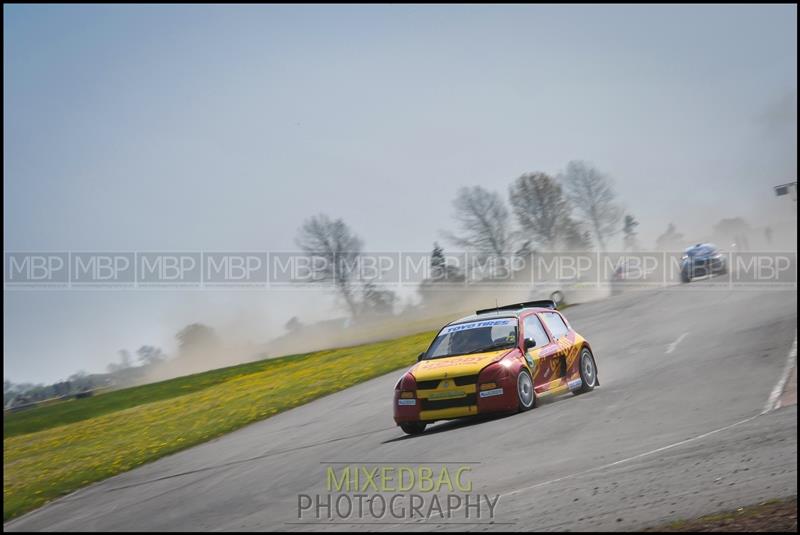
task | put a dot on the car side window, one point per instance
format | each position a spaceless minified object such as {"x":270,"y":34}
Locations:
{"x":534,"y":331}
{"x":556,"y":325}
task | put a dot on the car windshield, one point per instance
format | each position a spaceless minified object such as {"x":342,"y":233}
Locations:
{"x":474,"y":337}
{"x":701,"y":250}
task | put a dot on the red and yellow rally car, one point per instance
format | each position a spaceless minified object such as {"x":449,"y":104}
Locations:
{"x":497,"y":360}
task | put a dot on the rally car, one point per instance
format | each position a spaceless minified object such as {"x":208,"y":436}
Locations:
{"x":701,"y":260}
{"x":498,"y":360}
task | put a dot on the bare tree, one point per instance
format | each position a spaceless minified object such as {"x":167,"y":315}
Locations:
{"x":483,"y":222}
{"x":125,"y":362}
{"x":541,"y":209}
{"x":441,"y":271}
{"x":150,"y":355}
{"x":377,"y":302}
{"x":196,"y":338}
{"x":125,"y":359}
{"x":438,"y":262}
{"x":629,"y":240}
{"x":576,"y":238}
{"x":733,"y":232}
{"x":293,"y":325}
{"x":671,"y":240}
{"x":338,"y":247}
{"x":592,"y":194}
{"x":483,"y":227}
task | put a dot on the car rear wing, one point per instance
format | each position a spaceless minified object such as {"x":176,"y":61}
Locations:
{"x":545,"y":303}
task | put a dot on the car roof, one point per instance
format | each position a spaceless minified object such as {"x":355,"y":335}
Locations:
{"x":701,"y":246}
{"x":499,"y":314}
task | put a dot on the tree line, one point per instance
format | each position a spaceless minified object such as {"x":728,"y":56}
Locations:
{"x":126,"y":371}
{"x":576,"y":210}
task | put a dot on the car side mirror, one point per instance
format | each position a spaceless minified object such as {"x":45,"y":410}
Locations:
{"x":529,"y":343}
{"x":421,"y":356}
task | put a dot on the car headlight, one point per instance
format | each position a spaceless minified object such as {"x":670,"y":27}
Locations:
{"x":407,"y":382}
{"x":494,"y":372}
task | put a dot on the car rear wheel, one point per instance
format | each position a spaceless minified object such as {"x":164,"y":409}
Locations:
{"x":525,"y":394}
{"x":413,"y":428}
{"x":588,"y":371}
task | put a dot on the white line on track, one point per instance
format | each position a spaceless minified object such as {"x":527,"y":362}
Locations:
{"x":673,"y":345}
{"x":639,"y":456}
{"x":773,"y":398}
{"x":773,"y":401}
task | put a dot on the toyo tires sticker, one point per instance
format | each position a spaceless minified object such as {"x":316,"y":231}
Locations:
{"x":479,"y":325}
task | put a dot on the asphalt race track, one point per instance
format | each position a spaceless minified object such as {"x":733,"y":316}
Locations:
{"x":680,"y":427}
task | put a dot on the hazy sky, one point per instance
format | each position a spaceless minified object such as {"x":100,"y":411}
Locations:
{"x":223,"y":128}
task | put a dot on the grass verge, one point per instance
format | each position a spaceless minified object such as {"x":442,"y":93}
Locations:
{"x":75,"y":410}
{"x":43,"y":459}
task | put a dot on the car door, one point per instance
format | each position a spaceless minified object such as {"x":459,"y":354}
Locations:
{"x":541,"y":356}
{"x":562,"y":345}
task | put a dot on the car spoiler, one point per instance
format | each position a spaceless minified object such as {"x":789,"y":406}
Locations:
{"x":545,"y":303}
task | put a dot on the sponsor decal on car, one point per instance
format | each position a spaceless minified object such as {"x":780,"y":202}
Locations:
{"x":575,"y":383}
{"x":493,"y":392}
{"x":478,"y":325}
{"x":447,"y":395}
{"x":406,"y":401}
{"x":461,"y":360}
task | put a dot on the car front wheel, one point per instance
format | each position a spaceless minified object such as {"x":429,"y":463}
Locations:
{"x":525,"y":395}
{"x":413,"y":428}
{"x":588,"y":371}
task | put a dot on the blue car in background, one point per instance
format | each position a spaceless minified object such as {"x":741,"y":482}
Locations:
{"x":701,"y":260}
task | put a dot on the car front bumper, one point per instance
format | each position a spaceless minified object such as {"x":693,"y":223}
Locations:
{"x":458,"y":402}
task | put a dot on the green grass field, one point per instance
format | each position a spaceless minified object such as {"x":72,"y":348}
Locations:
{"x":55,"y":449}
{"x":67,"y":412}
